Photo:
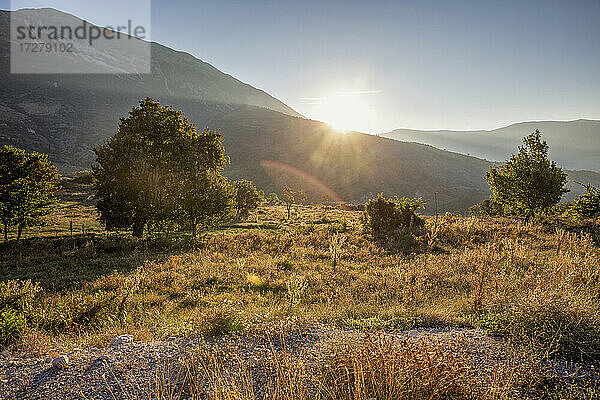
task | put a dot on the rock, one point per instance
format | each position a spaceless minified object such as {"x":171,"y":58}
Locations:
{"x":61,"y":362}
{"x":119,"y":340}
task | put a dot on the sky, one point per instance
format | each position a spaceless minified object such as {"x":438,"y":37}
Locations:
{"x":374,"y":66}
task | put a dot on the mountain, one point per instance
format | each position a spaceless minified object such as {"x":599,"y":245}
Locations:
{"x":174,"y":73}
{"x":573,"y":144}
{"x":65,"y":116}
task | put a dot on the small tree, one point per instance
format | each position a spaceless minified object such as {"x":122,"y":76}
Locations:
{"x":291,"y":197}
{"x":247,"y":198}
{"x":272,"y":199}
{"x":529,"y":182}
{"x":383,"y":215}
{"x":208,"y":201}
{"x":28,"y":185}
{"x":587,"y":205}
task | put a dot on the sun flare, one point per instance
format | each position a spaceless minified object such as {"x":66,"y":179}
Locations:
{"x":345,"y":111}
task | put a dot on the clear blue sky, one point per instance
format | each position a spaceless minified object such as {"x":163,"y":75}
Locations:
{"x":417,"y":64}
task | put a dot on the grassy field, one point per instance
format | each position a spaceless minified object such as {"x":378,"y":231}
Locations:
{"x":536,"y":285}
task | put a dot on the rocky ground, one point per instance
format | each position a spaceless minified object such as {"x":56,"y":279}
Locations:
{"x":135,"y":370}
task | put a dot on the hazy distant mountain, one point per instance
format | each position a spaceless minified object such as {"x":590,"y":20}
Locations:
{"x":65,"y":116}
{"x":573,"y":144}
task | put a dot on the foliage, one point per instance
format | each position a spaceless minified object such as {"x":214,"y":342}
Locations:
{"x":247,"y":198}
{"x":383,"y":215}
{"x":272,"y":199}
{"x":154,"y":168}
{"x":16,"y":308}
{"x":529,"y":182}
{"x":587,"y":205}
{"x":28,"y":184}
{"x":208,"y":200}
{"x":291,"y":197}
{"x":487,"y":208}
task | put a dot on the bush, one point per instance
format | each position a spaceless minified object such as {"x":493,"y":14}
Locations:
{"x":383,"y":215}
{"x":587,"y":205}
{"x":487,"y":208}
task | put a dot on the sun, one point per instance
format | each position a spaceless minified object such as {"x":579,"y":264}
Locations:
{"x":345,"y":111}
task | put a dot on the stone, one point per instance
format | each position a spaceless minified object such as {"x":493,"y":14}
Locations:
{"x":119,"y":340}
{"x":61,"y":362}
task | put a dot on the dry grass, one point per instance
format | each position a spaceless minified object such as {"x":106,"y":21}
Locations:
{"x":537,"y":285}
{"x":350,"y":368}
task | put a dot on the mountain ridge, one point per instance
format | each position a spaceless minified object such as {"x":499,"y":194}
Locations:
{"x":574,"y":144}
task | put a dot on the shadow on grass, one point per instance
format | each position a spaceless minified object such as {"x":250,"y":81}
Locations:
{"x":63,"y":263}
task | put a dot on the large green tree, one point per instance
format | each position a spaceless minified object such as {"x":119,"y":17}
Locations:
{"x":529,"y":182}
{"x":156,"y":169}
{"x":28,"y":185}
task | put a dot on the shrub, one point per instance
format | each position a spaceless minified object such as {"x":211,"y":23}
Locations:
{"x":587,"y":205}
{"x":487,"y":208}
{"x":383,"y":215}
{"x":12,"y":325}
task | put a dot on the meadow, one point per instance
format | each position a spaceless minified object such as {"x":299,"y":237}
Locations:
{"x":536,"y":285}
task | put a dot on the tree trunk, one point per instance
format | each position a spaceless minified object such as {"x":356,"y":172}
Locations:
{"x":5,"y":232}
{"x":194,"y":230}
{"x":138,"y":229}
{"x":19,"y":232}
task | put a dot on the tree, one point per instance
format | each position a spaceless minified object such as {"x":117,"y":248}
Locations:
{"x":247,"y":198}
{"x":587,"y":205}
{"x":208,"y":201}
{"x":149,"y":172}
{"x":28,"y":185}
{"x":529,"y":182}
{"x":272,"y":199}
{"x":291,"y":197}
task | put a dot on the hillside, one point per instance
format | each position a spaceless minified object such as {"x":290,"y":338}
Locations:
{"x":173,"y":72}
{"x":573,"y":144}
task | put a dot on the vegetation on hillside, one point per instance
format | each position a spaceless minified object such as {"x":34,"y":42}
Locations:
{"x":529,"y":182}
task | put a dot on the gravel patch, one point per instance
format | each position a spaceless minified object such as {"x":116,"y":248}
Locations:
{"x":134,"y":370}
